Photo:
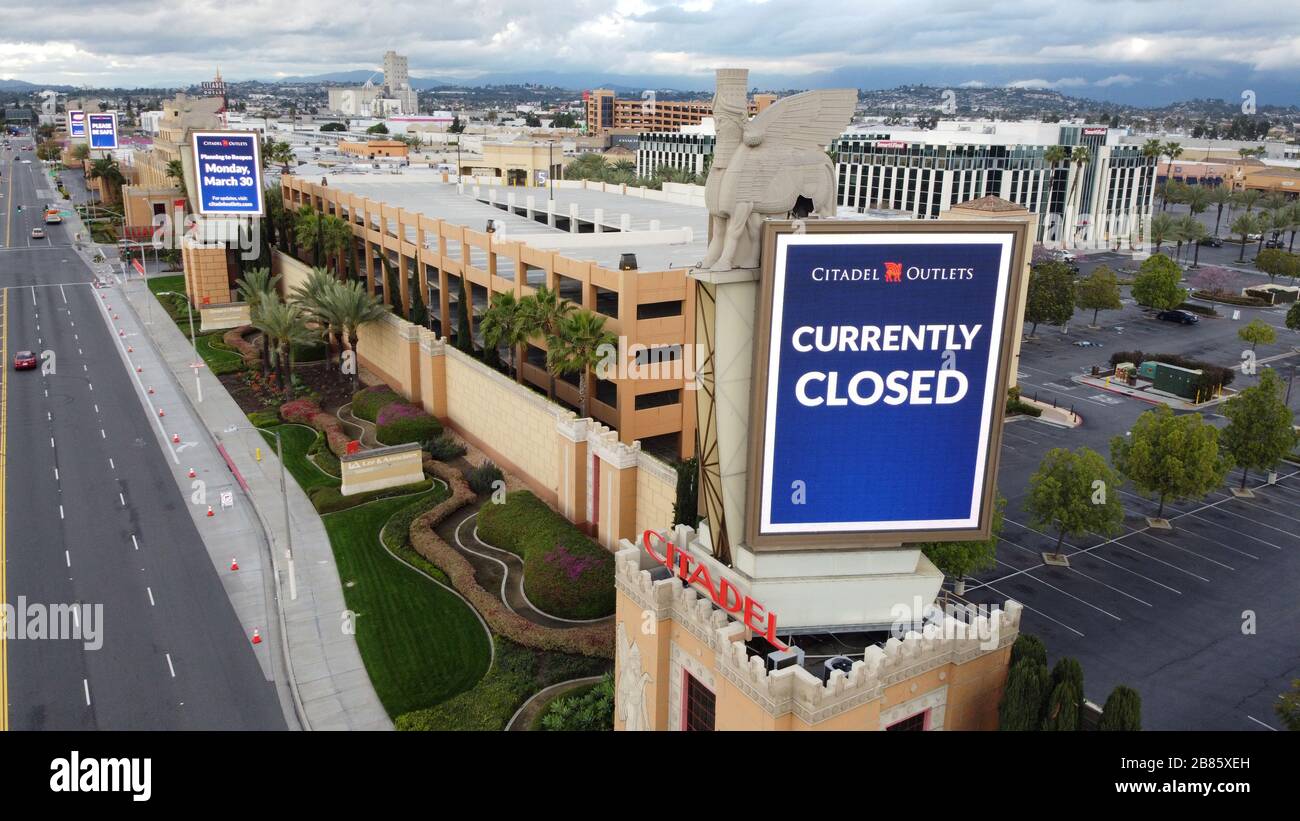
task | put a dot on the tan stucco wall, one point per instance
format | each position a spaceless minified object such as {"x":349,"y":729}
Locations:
{"x":509,"y":419}
{"x":656,"y":493}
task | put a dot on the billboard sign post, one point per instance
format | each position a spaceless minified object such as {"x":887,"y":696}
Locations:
{"x":77,"y":125}
{"x":882,"y":355}
{"x":228,"y":173}
{"x":102,"y":129}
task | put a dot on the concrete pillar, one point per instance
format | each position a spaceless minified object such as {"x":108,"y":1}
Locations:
{"x":573,"y":218}
{"x":654,"y":225}
{"x":492,"y":194}
{"x":571,"y":498}
{"x":615,"y":495}
{"x":433,"y":374}
{"x":530,"y":203}
{"x":625,"y":222}
{"x":550,"y":213}
{"x":598,"y":217}
{"x":510,"y":201}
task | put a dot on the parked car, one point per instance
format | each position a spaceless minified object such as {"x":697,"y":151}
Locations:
{"x":38,"y":233}
{"x":1274,"y":243}
{"x":1181,"y":317}
{"x":1212,"y":242}
{"x":1087,"y":343}
{"x":24,"y":361}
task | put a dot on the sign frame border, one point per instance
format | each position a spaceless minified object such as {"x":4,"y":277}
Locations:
{"x":1017,"y":278}
{"x":198,"y":187}
{"x":90,"y":136}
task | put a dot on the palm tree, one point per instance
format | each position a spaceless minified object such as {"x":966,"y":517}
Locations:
{"x":356,"y":308}
{"x":1079,"y":158}
{"x":542,"y":312}
{"x":81,"y":152}
{"x":1054,"y":156}
{"x":321,"y":232}
{"x":577,"y":348}
{"x":1174,"y":151}
{"x":1248,"y":198}
{"x":586,"y":167}
{"x":1162,"y":229}
{"x":257,"y":288}
{"x":1220,"y":195}
{"x":1293,"y":224}
{"x":1245,"y":225}
{"x":335,"y":238}
{"x":106,"y":169}
{"x":286,"y":325}
{"x":1191,"y":231}
{"x":176,"y":171}
{"x":1275,"y":222}
{"x":1274,"y":201}
{"x":317,"y":296}
{"x":1153,"y":149}
{"x":282,"y":153}
{"x":503,"y":323}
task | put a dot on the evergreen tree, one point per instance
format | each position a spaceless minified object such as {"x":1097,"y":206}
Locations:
{"x":1022,"y":701}
{"x":1122,"y":711}
{"x":464,"y":341}
{"x":1028,"y":646}
{"x":1063,"y":708}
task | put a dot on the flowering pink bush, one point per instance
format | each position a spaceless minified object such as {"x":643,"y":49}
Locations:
{"x":299,"y":411}
{"x":399,"y":410}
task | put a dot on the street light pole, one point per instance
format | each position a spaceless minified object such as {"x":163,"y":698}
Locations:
{"x":288,"y":527}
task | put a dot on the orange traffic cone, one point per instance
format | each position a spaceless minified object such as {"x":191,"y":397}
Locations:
{"x":151,"y":390}
{"x":121,"y":332}
{"x":160,"y":412}
{"x":176,"y":438}
{"x":191,"y":473}
{"x":139,"y":369}
{"x":129,"y":349}
{"x":210,"y":513}
{"x":115,"y":316}
{"x":257,"y":637}
{"x":234,"y":564}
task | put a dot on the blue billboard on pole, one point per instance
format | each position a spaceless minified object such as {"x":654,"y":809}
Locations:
{"x":77,"y":125}
{"x":103,"y":129}
{"x":228,"y":173}
{"x":883,"y":352}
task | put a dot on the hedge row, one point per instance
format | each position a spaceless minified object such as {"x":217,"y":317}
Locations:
{"x":1212,"y":375}
{"x":324,"y":458}
{"x":234,"y":339}
{"x":307,"y":412}
{"x":330,"y":499}
{"x":1232,"y":299}
{"x":400,"y":422}
{"x":589,"y":640}
{"x":566,"y":574}
{"x":367,"y":402}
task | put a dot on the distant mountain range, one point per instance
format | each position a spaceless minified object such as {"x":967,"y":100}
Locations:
{"x":354,"y":78}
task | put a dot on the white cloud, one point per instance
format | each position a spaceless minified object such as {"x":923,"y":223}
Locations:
{"x":1116,"y":80}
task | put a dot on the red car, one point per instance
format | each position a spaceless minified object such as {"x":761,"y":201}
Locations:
{"x":24,"y":361}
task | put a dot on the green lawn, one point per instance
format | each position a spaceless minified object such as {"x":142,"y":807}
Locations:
{"x":297,"y":439}
{"x":420,"y":643}
{"x":172,"y":283}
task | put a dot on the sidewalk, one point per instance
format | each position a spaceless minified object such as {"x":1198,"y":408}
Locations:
{"x":323,"y":667}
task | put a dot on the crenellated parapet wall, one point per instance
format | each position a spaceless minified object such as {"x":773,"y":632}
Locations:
{"x":793,"y":689}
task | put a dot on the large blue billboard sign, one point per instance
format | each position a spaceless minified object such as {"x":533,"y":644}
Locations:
{"x":77,"y":125}
{"x":883,"y":351}
{"x":103,"y":130}
{"x":228,"y":173}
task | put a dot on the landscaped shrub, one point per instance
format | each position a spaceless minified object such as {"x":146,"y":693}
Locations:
{"x":1203,"y":310}
{"x":1211,"y":377}
{"x":307,"y":412}
{"x":517,"y":674}
{"x":328,"y":499}
{"x":586,"y":710}
{"x":402,"y":422}
{"x":444,"y":448}
{"x":324,"y":458}
{"x":367,"y":402}
{"x":588,"y":640}
{"x":483,"y":478}
{"x":566,"y":574}
{"x":1233,"y":299}
{"x":1017,"y":405}
{"x":234,"y":339}
{"x":264,"y":418}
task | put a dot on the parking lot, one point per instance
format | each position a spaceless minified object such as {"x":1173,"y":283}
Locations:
{"x":1201,"y":619}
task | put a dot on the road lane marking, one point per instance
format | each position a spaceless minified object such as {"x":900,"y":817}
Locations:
{"x":65,"y":296}
{"x":86,"y":685}
{"x":122,"y":498}
{"x":169,"y":665}
{"x":1262,"y":724}
{"x":149,"y":590}
{"x":67,"y":556}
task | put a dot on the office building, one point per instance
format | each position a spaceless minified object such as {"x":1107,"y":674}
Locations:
{"x":605,"y":111}
{"x":689,"y":150}
{"x":1101,"y":203}
{"x":394,"y":97}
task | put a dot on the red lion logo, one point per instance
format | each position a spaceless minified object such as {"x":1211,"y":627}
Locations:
{"x":893,"y":272}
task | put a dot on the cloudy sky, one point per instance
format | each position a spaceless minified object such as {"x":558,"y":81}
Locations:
{"x":1134,"y":51}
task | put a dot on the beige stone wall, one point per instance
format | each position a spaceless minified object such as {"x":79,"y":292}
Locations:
{"x":512,"y":423}
{"x":385,"y":348}
{"x":206,"y":277}
{"x":656,"y":493}
{"x":292,"y":272}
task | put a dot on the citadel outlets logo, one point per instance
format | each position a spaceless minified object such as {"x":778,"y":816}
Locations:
{"x":895,"y":272}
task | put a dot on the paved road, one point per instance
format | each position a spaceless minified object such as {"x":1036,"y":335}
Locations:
{"x":93,"y":515}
